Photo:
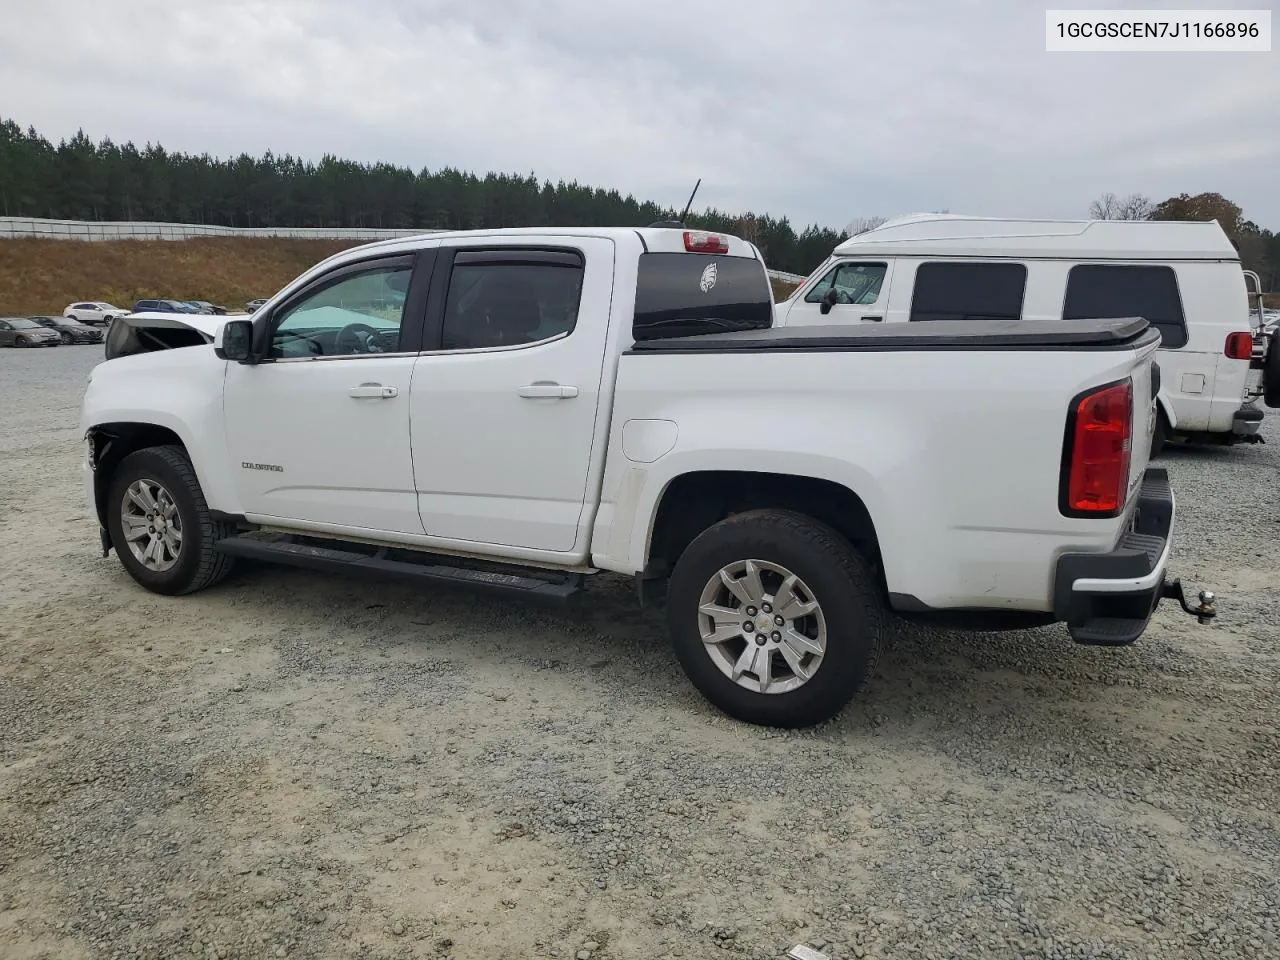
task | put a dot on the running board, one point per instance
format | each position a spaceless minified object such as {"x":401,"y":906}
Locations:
{"x":380,"y":566}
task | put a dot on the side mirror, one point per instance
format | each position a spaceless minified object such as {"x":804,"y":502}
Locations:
{"x":828,"y":301}
{"x":234,"y":341}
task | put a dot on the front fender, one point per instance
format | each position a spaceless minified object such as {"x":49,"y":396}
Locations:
{"x":179,"y":390}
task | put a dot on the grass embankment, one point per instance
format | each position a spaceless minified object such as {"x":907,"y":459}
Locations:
{"x":43,"y":276}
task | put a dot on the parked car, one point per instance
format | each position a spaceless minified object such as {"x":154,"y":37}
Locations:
{"x":71,"y":331}
{"x":93,"y":312}
{"x":253,"y":305}
{"x":21,"y":332}
{"x":205,"y":307}
{"x":162,"y":306}
{"x":789,"y":488}
{"x":1185,"y":278}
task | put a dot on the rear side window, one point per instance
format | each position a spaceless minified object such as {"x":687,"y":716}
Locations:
{"x":510,"y":298}
{"x":1099,"y":290}
{"x":969,"y":291}
{"x":681,"y":294}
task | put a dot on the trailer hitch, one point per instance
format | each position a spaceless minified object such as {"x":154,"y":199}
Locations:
{"x":1203,"y":613}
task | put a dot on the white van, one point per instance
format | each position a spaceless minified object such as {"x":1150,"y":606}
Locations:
{"x":1185,"y":278}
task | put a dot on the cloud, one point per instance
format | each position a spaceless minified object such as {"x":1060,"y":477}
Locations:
{"x":817,"y":110}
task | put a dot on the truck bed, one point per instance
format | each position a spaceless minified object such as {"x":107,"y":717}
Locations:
{"x":1122,"y":333}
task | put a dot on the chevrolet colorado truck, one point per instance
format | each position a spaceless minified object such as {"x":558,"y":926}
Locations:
{"x":519,"y":409}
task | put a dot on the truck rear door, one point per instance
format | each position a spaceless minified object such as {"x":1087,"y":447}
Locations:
{"x":505,"y":395}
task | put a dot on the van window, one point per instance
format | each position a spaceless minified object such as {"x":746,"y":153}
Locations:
{"x":968,"y":291}
{"x":858,"y":283}
{"x":1098,"y":290}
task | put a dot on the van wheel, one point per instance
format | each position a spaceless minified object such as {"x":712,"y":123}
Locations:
{"x":160,"y":526}
{"x":775,"y":618}
{"x":1161,"y":436}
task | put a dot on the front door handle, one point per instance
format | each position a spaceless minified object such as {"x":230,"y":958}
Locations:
{"x":873,"y":319}
{"x":373,"y":391}
{"x":547,"y":390}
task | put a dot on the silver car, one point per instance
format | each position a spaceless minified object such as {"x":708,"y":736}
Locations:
{"x":21,"y":332}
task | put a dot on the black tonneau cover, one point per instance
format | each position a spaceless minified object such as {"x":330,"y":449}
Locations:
{"x":1107,"y":334}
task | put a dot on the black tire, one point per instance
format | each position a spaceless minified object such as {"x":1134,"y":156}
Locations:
{"x":66,"y":339}
{"x":1161,"y":436}
{"x":840,"y":580}
{"x":1271,"y":372}
{"x":198,"y":565}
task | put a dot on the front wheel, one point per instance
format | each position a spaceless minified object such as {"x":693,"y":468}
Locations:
{"x":775,"y":618}
{"x":160,"y":525}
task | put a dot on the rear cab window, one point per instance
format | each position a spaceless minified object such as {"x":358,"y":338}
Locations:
{"x":968,"y":291}
{"x":1150,"y":291}
{"x":684,"y":294}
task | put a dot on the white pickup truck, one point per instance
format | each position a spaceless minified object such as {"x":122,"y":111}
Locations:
{"x":519,"y":409}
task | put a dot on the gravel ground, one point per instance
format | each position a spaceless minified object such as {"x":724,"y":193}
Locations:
{"x":294,"y":764}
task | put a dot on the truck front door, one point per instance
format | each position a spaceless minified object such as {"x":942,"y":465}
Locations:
{"x":319,"y":433}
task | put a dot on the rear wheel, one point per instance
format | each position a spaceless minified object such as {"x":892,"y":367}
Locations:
{"x":160,"y":525}
{"x":775,"y":618}
{"x":1161,"y":436}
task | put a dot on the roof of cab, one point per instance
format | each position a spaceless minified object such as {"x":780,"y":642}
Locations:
{"x":654,"y":239}
{"x":937,"y":234}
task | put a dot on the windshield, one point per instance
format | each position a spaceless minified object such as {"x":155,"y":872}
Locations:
{"x":25,"y":325}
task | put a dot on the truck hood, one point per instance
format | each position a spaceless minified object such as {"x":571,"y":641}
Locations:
{"x":144,"y":332}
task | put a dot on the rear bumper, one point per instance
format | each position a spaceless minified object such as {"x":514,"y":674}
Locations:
{"x":1246,"y":421}
{"x":1108,"y":598}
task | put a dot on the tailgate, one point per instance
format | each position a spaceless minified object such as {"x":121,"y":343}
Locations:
{"x":1146,"y":385}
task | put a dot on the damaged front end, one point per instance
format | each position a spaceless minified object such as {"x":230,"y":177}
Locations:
{"x":147,"y":332}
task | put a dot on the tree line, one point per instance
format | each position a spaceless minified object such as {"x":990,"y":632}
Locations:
{"x":81,"y":180}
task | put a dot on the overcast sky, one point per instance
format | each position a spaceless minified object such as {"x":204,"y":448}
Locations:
{"x":818,"y":110}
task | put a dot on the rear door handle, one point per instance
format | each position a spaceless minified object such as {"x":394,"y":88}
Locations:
{"x":373,"y":391}
{"x":873,"y":319}
{"x":547,"y":390}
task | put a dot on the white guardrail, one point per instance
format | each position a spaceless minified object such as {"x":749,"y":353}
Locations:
{"x":13,"y":227}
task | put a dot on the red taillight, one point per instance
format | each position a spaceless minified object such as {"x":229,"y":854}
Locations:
{"x":697,"y":241}
{"x":1101,"y":440}
{"x":1239,"y":346}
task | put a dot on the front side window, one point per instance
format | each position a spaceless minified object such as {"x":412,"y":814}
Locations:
{"x":359,"y":314}
{"x":968,"y":291}
{"x":506,"y":299}
{"x":1097,"y":291}
{"x":855,"y":283}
